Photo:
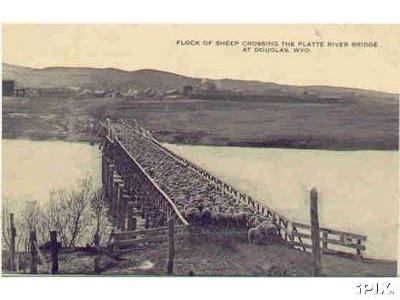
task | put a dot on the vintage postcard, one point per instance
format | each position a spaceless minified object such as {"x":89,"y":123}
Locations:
{"x":200,"y":150}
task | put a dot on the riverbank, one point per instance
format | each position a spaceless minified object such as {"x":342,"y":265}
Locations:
{"x":369,"y":125}
{"x":217,"y":258}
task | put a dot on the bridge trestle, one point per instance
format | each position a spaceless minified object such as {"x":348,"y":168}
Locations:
{"x":130,"y":192}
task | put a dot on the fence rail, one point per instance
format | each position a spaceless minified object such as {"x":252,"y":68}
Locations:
{"x":124,"y":235}
{"x":341,"y":239}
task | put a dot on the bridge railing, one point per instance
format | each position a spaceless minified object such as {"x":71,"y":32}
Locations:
{"x":290,"y":231}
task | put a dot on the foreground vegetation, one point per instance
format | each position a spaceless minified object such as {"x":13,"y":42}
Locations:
{"x":78,"y":215}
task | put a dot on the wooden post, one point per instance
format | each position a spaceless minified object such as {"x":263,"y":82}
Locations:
{"x":96,"y":242}
{"x":163,"y":217}
{"x":171,"y":248}
{"x":143,"y":210}
{"x":34,"y":254}
{"x":315,"y":240}
{"x":129,"y":215}
{"x":132,"y":222}
{"x":13,"y":235}
{"x":358,"y":250}
{"x":54,"y":252}
{"x":147,"y":220}
{"x":123,"y":211}
{"x":103,"y":172}
{"x":106,"y":175}
{"x":324,"y":242}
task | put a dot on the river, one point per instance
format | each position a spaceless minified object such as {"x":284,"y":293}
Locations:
{"x":31,"y":169}
{"x":358,"y":190}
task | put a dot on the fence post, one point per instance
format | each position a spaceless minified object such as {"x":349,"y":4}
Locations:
{"x":13,"y":235}
{"x":358,"y":250}
{"x":54,"y":252}
{"x":171,"y":248}
{"x":315,"y":240}
{"x":324,"y":242}
{"x":34,"y":254}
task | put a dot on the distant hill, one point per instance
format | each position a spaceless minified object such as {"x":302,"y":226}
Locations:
{"x":96,"y":78}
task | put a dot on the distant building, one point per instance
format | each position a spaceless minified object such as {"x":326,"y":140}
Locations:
{"x":187,"y":90}
{"x":8,"y":87}
{"x":207,"y":85}
{"x":173,"y":94}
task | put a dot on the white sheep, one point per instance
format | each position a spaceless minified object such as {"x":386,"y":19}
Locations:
{"x":265,"y":231}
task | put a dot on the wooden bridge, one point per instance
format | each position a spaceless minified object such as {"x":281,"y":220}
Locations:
{"x":142,"y":178}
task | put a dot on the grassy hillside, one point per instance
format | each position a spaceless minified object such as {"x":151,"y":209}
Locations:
{"x":96,"y":78}
{"x":282,"y":117}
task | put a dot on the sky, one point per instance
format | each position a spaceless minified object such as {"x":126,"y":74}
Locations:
{"x":132,"y":47}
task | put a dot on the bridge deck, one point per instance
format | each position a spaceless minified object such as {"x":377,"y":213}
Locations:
{"x":182,"y":184}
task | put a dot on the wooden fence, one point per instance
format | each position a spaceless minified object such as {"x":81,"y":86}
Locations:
{"x":123,"y":241}
{"x":126,"y":241}
{"x":341,"y":240}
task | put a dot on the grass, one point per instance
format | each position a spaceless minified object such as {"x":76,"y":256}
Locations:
{"x":218,"y":257}
{"x":340,"y":126}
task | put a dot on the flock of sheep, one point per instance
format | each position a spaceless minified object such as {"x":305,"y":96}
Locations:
{"x":197,"y":198}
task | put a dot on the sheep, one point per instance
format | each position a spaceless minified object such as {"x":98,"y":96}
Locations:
{"x":206,"y":218}
{"x":253,"y":221}
{"x":191,"y":215}
{"x":241,"y":219}
{"x":265,"y":231}
{"x":216,"y":218}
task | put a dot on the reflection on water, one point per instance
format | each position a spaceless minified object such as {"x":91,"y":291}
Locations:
{"x":31,"y":169}
{"x":358,"y":190}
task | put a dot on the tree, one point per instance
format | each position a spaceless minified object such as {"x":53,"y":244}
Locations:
{"x":5,"y":226}
{"x":78,"y":202}
{"x":57,"y":214}
{"x":99,"y":209}
{"x":32,"y":217}
{"x":69,"y":211}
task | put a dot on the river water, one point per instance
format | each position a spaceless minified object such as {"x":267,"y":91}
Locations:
{"x":31,"y":169}
{"x":358,"y":190}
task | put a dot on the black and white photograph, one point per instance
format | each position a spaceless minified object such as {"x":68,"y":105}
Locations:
{"x":200,"y":150}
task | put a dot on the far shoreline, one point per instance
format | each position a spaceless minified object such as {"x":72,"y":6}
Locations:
{"x":295,"y":145}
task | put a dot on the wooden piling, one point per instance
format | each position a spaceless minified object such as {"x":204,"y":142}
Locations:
{"x":132,"y":222}
{"x":13,"y":236}
{"x":147,"y":220}
{"x":143,"y":213}
{"x":315,"y":239}
{"x":54,"y":252}
{"x":129,"y":214}
{"x":123,"y":211}
{"x":110,"y":174}
{"x":34,"y":254}
{"x":171,"y":248}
